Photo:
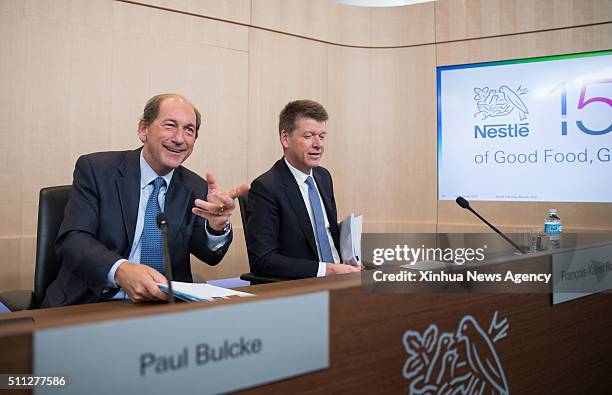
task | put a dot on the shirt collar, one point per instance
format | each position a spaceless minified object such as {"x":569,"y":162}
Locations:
{"x":298,"y":175}
{"x":147,"y":174}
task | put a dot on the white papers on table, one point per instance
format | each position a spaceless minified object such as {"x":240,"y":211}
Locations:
{"x":198,"y":292}
{"x":350,"y":239}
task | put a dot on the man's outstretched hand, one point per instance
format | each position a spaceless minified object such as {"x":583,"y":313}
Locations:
{"x":219,"y":206}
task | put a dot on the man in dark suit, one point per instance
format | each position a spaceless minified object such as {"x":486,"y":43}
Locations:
{"x":109,"y":245}
{"x":292,"y":230}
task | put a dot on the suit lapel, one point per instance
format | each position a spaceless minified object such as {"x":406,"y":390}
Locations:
{"x":128,"y":188}
{"x":178,"y":198}
{"x":324,"y":190}
{"x":297,"y":202}
{"x":330,"y":208}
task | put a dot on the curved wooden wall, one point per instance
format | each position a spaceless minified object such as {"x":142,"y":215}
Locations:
{"x":74,"y":75}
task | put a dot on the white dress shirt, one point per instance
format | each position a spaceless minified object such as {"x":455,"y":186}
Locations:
{"x":300,"y":178}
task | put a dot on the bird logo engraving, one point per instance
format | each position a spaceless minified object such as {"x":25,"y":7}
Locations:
{"x":500,"y":102}
{"x":462,"y":362}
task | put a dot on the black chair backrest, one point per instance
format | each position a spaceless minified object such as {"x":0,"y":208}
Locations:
{"x":51,"y":204}
{"x":245,"y":213}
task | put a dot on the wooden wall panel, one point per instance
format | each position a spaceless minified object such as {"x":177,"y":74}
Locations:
{"x":382,"y":26}
{"x":53,"y":10}
{"x":572,"y":40}
{"x":11,"y":219}
{"x":382,"y":103}
{"x":281,"y":69}
{"x":353,"y":143}
{"x":168,"y":26}
{"x":11,"y":263}
{"x":347,"y":25}
{"x":186,"y":20}
{"x":465,"y":19}
{"x":12,"y":82}
{"x":27,"y":257}
{"x":14,"y":6}
{"x":204,"y":31}
{"x":304,"y":18}
{"x":93,"y":14}
{"x":231,"y":10}
{"x":90,"y":103}
{"x":47,"y":104}
{"x":402,"y":25}
{"x":131,"y":76}
{"x":132,"y":18}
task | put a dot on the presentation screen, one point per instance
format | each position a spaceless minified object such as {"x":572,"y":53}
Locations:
{"x":536,"y":129}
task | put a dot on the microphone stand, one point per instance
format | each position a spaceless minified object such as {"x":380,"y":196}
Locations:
{"x":465,"y":204}
{"x":163,"y":227}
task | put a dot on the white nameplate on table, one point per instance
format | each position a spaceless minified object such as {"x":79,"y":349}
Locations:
{"x":203,"y":351}
{"x":580,"y":273}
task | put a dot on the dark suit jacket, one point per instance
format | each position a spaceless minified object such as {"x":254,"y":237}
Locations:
{"x":280,"y":239}
{"x":100,"y":221}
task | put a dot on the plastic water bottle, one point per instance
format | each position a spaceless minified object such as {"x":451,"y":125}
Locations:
{"x":553,"y":228}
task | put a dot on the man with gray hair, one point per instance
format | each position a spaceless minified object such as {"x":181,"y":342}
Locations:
{"x":109,"y":244}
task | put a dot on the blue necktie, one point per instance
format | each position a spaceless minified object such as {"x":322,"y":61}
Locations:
{"x":151,"y":252}
{"x":319,"y":219}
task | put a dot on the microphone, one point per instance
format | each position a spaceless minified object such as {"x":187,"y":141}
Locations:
{"x":162,"y":224}
{"x":463,"y":203}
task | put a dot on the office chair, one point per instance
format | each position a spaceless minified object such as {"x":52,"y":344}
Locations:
{"x":245,"y":213}
{"x":51,"y":204}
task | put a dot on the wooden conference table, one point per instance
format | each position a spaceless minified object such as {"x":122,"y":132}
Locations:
{"x":560,"y":349}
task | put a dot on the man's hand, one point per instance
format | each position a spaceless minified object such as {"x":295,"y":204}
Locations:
{"x":139,"y":281}
{"x":340,"y":268}
{"x":220,"y":205}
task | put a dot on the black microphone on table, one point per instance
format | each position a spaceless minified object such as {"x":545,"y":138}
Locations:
{"x":466,"y":205}
{"x":162,"y":224}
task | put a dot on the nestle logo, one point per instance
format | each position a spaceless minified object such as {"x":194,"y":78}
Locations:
{"x":501,"y":130}
{"x":500,"y":102}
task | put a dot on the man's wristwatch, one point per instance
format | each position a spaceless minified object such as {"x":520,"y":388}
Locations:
{"x":217,"y":232}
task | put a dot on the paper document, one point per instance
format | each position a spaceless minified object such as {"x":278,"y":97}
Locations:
{"x":350,"y":239}
{"x":198,"y":292}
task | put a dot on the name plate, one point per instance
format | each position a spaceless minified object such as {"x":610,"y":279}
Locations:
{"x":194,"y":352}
{"x":581,"y":272}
